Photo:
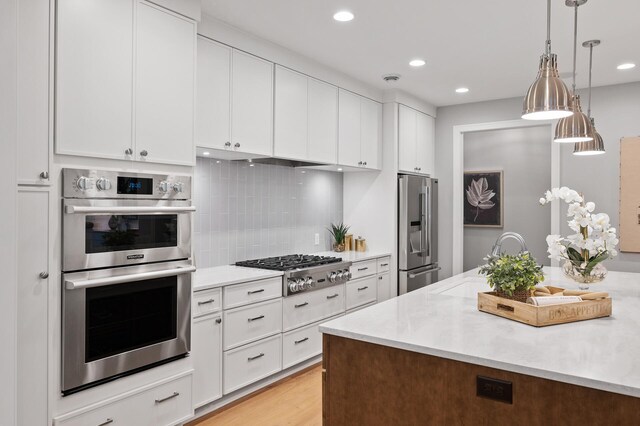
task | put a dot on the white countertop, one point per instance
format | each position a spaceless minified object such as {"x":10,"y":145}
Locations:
{"x":219,"y":276}
{"x":443,"y":320}
{"x":355,"y":256}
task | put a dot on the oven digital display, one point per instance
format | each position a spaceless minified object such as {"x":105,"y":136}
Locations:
{"x":135,"y":185}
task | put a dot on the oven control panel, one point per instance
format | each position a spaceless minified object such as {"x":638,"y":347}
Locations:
{"x":87,"y":183}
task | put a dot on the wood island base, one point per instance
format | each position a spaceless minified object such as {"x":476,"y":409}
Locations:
{"x":370,"y":384}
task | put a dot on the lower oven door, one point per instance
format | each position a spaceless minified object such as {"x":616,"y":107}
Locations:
{"x":119,"y":321}
{"x":108,"y":233}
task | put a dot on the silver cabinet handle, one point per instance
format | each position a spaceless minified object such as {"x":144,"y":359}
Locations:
{"x":365,"y":163}
{"x":237,"y":145}
{"x":143,"y":153}
{"x":255,"y":318}
{"x":206,"y":302}
{"x":44,"y":175}
{"x":97,"y":282}
{"x":159,"y":401}
{"x":128,"y":151}
{"x":106,"y":422}
{"x":428,"y":271}
{"x":363,"y":269}
{"x":255,"y":291}
{"x":227,"y":144}
{"x":332,"y":296}
{"x":301,"y":340}
{"x":218,"y":320}
{"x":359,"y":163}
{"x":251,"y":358}
{"x":384,"y":264}
{"x":43,"y":275}
{"x":363,"y":288}
{"x":379,"y":278}
{"x":301,"y":305}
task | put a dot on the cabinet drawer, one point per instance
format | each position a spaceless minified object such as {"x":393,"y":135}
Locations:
{"x":248,"y":364}
{"x":363,"y":269}
{"x":206,"y":302}
{"x":312,"y":306}
{"x":252,"y":292}
{"x":361,"y":292}
{"x":249,"y":323}
{"x":383,"y":264}
{"x":301,"y":344}
{"x":162,"y":405}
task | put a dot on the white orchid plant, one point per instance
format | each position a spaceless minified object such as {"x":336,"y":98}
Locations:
{"x":594,"y":241}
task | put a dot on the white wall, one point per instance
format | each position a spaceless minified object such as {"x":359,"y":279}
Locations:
{"x":616,"y":110}
{"x":8,"y":260}
{"x":523,"y":156}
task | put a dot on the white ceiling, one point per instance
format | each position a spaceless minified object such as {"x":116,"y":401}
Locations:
{"x":490,"y":46}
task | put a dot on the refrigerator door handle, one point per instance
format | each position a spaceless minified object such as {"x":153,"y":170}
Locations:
{"x":428,"y":271}
{"x":428,"y":222}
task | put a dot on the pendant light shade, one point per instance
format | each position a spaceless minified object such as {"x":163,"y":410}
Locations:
{"x":595,"y":146}
{"x":575,"y":128}
{"x":547,"y":98}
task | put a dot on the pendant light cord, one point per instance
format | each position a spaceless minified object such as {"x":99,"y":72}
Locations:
{"x":575,"y":44}
{"x":548,"y":44}
{"x":590,"y":68}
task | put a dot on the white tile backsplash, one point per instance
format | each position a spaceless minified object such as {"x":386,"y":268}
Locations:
{"x":248,"y":212}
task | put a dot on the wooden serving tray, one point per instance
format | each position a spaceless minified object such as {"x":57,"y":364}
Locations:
{"x":541,"y":316}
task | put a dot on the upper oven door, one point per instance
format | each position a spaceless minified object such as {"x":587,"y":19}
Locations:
{"x":107,"y":233}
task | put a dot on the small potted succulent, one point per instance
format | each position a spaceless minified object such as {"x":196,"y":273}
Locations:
{"x":512,"y":276}
{"x":339,"y":232}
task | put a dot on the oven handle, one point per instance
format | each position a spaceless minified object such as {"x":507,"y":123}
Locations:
{"x":98,"y":282}
{"x":127,"y":210}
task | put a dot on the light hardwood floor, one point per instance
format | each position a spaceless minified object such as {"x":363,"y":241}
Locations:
{"x":293,"y":402}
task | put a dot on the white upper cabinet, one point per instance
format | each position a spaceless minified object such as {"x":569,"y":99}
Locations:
{"x":306,"y":118}
{"x":104,"y":79}
{"x":213,"y":112}
{"x":291,"y":115}
{"x":33,"y":89}
{"x":165,"y":86}
{"x":415,"y":141}
{"x":251,"y":104}
{"x":360,"y":131}
{"x":94,"y":77}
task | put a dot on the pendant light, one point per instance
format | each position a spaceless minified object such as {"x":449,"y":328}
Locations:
{"x":548,"y":98}
{"x":596,"y":146}
{"x":577,"y":127}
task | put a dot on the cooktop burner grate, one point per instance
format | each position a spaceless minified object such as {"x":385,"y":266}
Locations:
{"x":286,"y":263}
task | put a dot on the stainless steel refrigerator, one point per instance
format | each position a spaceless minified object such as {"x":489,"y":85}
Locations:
{"x":417,"y":232}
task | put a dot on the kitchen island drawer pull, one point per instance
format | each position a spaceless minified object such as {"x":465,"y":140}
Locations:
{"x":255,"y":291}
{"x":106,"y":422}
{"x":251,"y":358}
{"x":384,"y":264}
{"x":301,"y":340}
{"x":206,"y":302}
{"x":333,"y":296}
{"x":363,"y":288}
{"x":301,"y":305}
{"x":256,"y":318}
{"x":363,"y":269}
{"x":160,"y":401}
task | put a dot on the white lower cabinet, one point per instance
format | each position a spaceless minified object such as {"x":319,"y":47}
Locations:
{"x":253,"y":322}
{"x":384,"y":287}
{"x":168,"y":403}
{"x":313,"y":306}
{"x":206,"y":352}
{"x":361,"y":292}
{"x":250,"y":363}
{"x":359,"y":308}
{"x":301,"y":344}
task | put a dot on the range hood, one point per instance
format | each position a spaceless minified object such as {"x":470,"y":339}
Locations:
{"x":281,"y":162}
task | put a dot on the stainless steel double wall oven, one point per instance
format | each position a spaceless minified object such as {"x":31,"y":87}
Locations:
{"x":126,"y":274}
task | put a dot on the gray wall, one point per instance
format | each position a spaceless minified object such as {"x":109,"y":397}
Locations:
{"x":523,"y":156}
{"x":251,"y":212}
{"x":617,"y":113}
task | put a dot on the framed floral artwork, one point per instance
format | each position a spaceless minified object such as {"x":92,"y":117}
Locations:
{"x":483,"y":199}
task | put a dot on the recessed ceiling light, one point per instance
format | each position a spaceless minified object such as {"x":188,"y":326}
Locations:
{"x":339,"y":169}
{"x":627,"y":66}
{"x":217,"y":161}
{"x":206,"y":153}
{"x":303,"y":171}
{"x":343,"y":16}
{"x":417,"y":62}
{"x":462,"y":90}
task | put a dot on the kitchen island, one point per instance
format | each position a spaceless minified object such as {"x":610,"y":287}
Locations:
{"x":430,"y":357}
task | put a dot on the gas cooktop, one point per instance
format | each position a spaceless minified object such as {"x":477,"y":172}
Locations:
{"x":289,"y":262}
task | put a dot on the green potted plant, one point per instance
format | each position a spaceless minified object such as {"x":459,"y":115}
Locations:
{"x":338,"y":232}
{"x":512,"y":276}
